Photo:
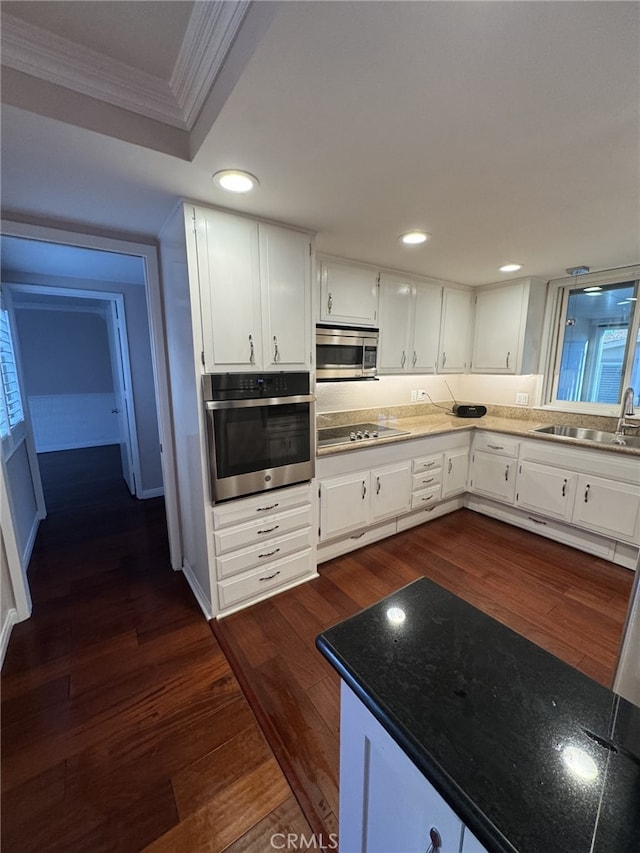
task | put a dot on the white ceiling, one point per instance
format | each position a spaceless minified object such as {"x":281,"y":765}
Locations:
{"x":509,"y":130}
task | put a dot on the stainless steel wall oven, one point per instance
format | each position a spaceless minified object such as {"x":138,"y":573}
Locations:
{"x":260,"y":430}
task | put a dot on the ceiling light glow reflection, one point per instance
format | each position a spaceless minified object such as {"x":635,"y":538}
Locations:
{"x":414,"y":238}
{"x":396,"y":615}
{"x":580,"y":763}
{"x":235,"y":180}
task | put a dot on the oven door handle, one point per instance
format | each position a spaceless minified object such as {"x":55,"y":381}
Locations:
{"x":216,"y":405}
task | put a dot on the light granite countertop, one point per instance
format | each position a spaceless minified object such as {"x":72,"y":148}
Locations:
{"x":437,"y":423}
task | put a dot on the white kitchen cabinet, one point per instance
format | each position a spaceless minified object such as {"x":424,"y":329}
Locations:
{"x":390,"y":490}
{"x":494,"y":475}
{"x":285,"y":272}
{"x":344,"y":504}
{"x":386,"y":804}
{"x":254,"y":293}
{"x":348,"y":293}
{"x":354,"y":501}
{"x":455,"y":331}
{"x":545,"y":489}
{"x":409,"y":325}
{"x":508,"y":327}
{"x":607,"y":506}
{"x":454,"y":471}
{"x":263,"y":544}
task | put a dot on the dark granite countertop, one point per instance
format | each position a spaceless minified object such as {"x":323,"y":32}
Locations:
{"x":492,"y":721}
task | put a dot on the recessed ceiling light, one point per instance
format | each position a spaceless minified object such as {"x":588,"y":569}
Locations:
{"x":413,"y":238}
{"x":510,"y":267}
{"x":594,"y":289}
{"x":235,"y":180}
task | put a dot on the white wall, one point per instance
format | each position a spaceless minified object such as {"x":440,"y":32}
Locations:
{"x":68,"y":379}
{"x":141,"y":365}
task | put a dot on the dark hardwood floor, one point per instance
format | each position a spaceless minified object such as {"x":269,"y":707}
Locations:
{"x":568,"y":602}
{"x":123,"y":727}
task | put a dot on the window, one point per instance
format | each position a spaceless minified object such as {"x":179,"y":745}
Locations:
{"x":597,"y":343}
{"x":11,"y":412}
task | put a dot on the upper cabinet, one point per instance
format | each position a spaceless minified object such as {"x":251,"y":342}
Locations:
{"x":508,"y":327}
{"x":455,"y":331}
{"x":348,"y":294}
{"x":255,"y":281}
{"x":409,"y":325}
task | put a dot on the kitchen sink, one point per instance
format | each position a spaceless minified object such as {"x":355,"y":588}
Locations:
{"x":590,"y":435}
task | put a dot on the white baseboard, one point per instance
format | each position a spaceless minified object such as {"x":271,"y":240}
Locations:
{"x":10,"y":619}
{"x":196,"y":589}
{"x":152,"y":493}
{"x":31,"y":541}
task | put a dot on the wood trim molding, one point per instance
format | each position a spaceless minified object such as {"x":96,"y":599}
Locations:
{"x":210,"y":33}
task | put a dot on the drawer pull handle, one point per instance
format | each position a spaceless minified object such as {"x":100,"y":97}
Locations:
{"x":268,"y":529}
{"x":450,"y":468}
{"x":430,"y":480}
{"x":377,"y":485}
{"x":364,"y":490}
{"x":586,"y":493}
{"x":564,"y":488}
{"x":403,"y":359}
{"x":266,"y":508}
{"x":536,"y":520}
{"x":506,"y":473}
{"x":269,"y":577}
{"x":429,"y":464}
{"x":268,"y":554}
{"x":429,"y":498}
{"x":358,"y":535}
{"x":495,"y":446}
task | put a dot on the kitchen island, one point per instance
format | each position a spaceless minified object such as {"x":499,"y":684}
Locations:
{"x":453,"y":722}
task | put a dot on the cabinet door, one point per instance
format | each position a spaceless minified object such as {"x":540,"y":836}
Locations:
{"x":545,"y":489}
{"x":348,"y":294}
{"x":455,"y":331}
{"x":229,"y":273}
{"x":426,"y":329}
{"x":285,"y":261}
{"x":607,"y":506}
{"x":390,"y":490}
{"x":344,"y":504}
{"x":386,"y":804}
{"x":396,"y":300}
{"x":454,"y":475}
{"x":493,"y":475}
{"x":498,"y":329}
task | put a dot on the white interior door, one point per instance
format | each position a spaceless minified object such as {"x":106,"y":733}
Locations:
{"x":123,"y":407}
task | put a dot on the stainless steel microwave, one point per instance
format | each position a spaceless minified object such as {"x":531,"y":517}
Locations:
{"x":345,"y":352}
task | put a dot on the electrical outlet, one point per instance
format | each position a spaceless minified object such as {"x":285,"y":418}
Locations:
{"x":414,"y":396}
{"x":522,"y":398}
{"x":422,"y":394}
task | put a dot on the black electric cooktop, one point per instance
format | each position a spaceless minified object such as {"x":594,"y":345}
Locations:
{"x":356,"y":433}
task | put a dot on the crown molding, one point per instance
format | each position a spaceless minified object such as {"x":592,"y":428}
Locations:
{"x":210,"y":32}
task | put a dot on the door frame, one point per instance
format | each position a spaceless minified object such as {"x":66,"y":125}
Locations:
{"x":149,"y":255}
{"x":115,"y":318}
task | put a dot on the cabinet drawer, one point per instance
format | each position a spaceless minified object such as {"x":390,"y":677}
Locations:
{"x":427,"y":497}
{"x":262,"y":529}
{"x":261,"y":581}
{"x":427,"y":463}
{"x":262,"y":553}
{"x":246,"y":509}
{"x":426,"y":480}
{"x":502,"y":445}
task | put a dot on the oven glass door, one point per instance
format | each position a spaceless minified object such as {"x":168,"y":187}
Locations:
{"x":258,"y":438}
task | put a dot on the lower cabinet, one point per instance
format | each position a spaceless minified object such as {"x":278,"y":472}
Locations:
{"x":263,"y":544}
{"x":493,"y":475}
{"x":543,"y":488}
{"x":607,"y":506}
{"x":386,"y":804}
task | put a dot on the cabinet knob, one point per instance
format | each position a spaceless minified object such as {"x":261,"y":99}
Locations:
{"x":435,"y":839}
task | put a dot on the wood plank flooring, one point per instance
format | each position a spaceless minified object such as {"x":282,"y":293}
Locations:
{"x":568,"y":602}
{"x":123,"y":726}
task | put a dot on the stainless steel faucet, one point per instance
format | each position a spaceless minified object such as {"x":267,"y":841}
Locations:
{"x":626,"y":409}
